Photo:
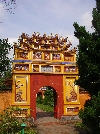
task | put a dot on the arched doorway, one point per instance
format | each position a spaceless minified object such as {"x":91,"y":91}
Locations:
{"x":46,"y":102}
{"x":39,"y":80}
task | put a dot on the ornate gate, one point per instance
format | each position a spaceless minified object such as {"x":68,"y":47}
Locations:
{"x":45,"y":61}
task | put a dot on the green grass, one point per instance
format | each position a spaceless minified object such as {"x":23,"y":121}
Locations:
{"x":45,"y":107}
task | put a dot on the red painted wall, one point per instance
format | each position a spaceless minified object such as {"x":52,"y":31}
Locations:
{"x":39,"y":80}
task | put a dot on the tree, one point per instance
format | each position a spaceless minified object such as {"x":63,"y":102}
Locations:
{"x":49,"y":97}
{"x":5,"y":62}
{"x":91,"y":114}
{"x":10,"y":5}
{"x":5,"y":47}
{"x":88,"y":56}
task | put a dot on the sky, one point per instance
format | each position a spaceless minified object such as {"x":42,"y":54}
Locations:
{"x":45,"y":16}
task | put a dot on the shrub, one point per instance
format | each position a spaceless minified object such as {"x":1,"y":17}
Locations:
{"x":91,"y":114}
{"x":9,"y":124}
{"x":28,"y":131}
{"x":49,"y":98}
{"x":39,"y":100}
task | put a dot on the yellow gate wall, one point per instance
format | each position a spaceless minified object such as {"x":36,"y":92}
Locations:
{"x":6,"y":99}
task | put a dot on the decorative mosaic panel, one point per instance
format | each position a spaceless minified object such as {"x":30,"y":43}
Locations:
{"x":71,"y":90}
{"x":56,"y":56}
{"x":70,"y":69}
{"x":68,"y":58}
{"x":57,"y":68}
{"x":21,"y":67}
{"x":47,"y":56}
{"x":22,"y":55}
{"x":72,"y":109}
{"x":21,"y":88}
{"x":46,"y":69}
{"x":37,"y":55}
{"x":35,"y":68}
{"x":23,"y":112}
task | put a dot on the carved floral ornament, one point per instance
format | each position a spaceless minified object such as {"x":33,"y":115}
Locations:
{"x":27,"y":43}
{"x":37,"y":55}
{"x":72,"y":96}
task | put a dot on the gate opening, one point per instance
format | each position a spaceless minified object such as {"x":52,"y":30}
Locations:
{"x":46,"y":102}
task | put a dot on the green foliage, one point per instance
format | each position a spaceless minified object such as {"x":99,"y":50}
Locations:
{"x":5,"y":62}
{"x":88,"y":62}
{"x":39,"y":100}
{"x":8,"y":123}
{"x":45,"y":108}
{"x":28,"y":131}
{"x":91,"y":114}
{"x":49,"y":98}
{"x":46,"y":104}
{"x":81,"y":125}
{"x":88,"y":56}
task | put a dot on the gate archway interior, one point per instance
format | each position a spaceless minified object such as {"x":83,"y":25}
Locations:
{"x":45,"y":60}
{"x":46,"y":99}
{"x":38,"y":81}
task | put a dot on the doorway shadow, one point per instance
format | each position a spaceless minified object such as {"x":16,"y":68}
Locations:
{"x":44,"y":114}
{"x":47,"y":95}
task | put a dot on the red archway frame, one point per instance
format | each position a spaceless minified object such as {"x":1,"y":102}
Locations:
{"x":39,"y":80}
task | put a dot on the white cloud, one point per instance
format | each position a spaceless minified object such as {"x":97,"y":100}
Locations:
{"x":1,"y":9}
{"x":1,"y":29}
{"x":2,"y":12}
{"x":11,"y":41}
{"x":71,"y":37}
{"x":86,"y":19}
{"x":59,"y":8}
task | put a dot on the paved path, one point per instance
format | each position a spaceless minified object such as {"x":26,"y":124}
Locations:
{"x":47,"y":124}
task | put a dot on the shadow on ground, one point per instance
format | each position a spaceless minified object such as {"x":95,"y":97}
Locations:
{"x":44,"y":114}
{"x":46,"y":124}
{"x":81,"y":130}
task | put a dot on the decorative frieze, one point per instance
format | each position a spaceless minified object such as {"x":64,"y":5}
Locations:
{"x":21,"y":67}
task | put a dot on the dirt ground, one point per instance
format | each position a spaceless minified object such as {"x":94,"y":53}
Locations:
{"x":47,"y":124}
